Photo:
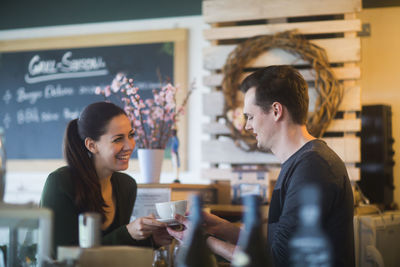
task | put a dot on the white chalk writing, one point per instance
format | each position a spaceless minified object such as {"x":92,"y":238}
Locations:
{"x":28,"y":115}
{"x":80,"y":64}
{"x":7,"y":121}
{"x":51,"y":91}
{"x":45,"y":70}
{"x":49,"y":116}
{"x":87,"y":89}
{"x":70,"y":114}
{"x":7,"y":97}
{"x":31,"y":97}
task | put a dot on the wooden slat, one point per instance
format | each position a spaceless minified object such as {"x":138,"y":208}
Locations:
{"x":215,"y":128}
{"x":345,"y":125}
{"x":239,"y":10}
{"x":228,"y":174}
{"x":218,"y":151}
{"x":342,"y":73}
{"x":225,"y":151}
{"x":352,"y":99}
{"x":314,"y":27}
{"x":348,"y":148}
{"x":215,"y":56}
{"x":339,"y":125}
{"x":213,"y":103}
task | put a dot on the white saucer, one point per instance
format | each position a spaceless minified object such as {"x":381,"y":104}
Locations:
{"x":170,"y":221}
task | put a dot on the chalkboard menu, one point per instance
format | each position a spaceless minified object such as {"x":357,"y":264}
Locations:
{"x":42,"y":90}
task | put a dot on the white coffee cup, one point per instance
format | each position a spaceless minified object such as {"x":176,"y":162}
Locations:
{"x":167,"y":210}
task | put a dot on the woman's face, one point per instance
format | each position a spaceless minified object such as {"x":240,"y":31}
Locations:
{"x":114,"y":148}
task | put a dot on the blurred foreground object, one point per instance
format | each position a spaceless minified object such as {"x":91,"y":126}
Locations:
{"x":26,"y":234}
{"x":252,"y":248}
{"x":309,"y":245}
{"x":194,"y":251}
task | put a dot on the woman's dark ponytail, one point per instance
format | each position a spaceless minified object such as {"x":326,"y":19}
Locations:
{"x":87,"y":186}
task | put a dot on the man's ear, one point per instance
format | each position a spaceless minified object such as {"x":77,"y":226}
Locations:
{"x":90,"y":145}
{"x":277,"y":110}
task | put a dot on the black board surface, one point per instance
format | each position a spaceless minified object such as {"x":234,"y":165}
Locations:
{"x":41,"y":91}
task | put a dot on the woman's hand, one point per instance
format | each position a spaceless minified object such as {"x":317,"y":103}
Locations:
{"x":143,"y":227}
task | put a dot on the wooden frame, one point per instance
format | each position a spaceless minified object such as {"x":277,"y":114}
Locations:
{"x":178,"y":36}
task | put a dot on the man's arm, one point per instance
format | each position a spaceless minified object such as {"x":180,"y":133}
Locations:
{"x":216,"y":226}
{"x":221,"y":228}
{"x":221,"y":248}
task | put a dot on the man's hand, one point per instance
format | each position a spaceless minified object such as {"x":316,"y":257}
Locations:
{"x":221,"y":228}
{"x":214,"y":224}
{"x":161,"y":237}
{"x":179,"y":234}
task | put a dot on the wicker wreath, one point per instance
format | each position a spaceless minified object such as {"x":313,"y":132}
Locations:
{"x":329,"y":89}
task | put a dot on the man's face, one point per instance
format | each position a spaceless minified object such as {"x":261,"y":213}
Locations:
{"x":260,"y":122}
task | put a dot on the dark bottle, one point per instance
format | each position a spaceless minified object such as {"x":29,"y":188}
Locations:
{"x":251,"y":250}
{"x":309,"y":246}
{"x":194,"y":252}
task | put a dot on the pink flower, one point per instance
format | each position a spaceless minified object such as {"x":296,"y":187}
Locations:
{"x":149,"y":102}
{"x":107,"y":91}
{"x":98,"y":90}
{"x":126,"y":100}
{"x":153,"y":118}
{"x":158,"y":113}
{"x":131,"y":91}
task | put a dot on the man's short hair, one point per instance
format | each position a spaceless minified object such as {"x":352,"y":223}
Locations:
{"x":283,"y":84}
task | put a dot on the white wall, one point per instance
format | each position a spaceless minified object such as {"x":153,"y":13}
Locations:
{"x":26,"y":186}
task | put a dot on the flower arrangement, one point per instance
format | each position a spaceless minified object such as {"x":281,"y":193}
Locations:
{"x":237,"y":118}
{"x":153,"y":118}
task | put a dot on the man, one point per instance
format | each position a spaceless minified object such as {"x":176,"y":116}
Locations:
{"x":275,"y":107}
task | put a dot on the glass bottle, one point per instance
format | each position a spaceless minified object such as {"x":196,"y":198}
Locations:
{"x":160,"y":258}
{"x":309,"y":246}
{"x":175,"y":253}
{"x":251,"y":250}
{"x":193,"y":251}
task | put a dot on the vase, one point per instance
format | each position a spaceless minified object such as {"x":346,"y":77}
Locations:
{"x":150,"y":163}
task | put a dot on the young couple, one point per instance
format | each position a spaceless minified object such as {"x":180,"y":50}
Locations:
{"x":100,"y":142}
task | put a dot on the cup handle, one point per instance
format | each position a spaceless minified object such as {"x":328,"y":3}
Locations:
{"x":173,"y":212}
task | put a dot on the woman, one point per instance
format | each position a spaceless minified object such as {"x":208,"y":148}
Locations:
{"x":96,"y":147}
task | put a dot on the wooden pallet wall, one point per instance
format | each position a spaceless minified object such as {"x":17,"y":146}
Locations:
{"x":331,"y":24}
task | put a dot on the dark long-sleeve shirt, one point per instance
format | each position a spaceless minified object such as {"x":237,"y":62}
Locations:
{"x":314,"y":163}
{"x":58,"y":195}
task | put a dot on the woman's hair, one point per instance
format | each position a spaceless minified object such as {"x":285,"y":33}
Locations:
{"x":92,"y":123}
